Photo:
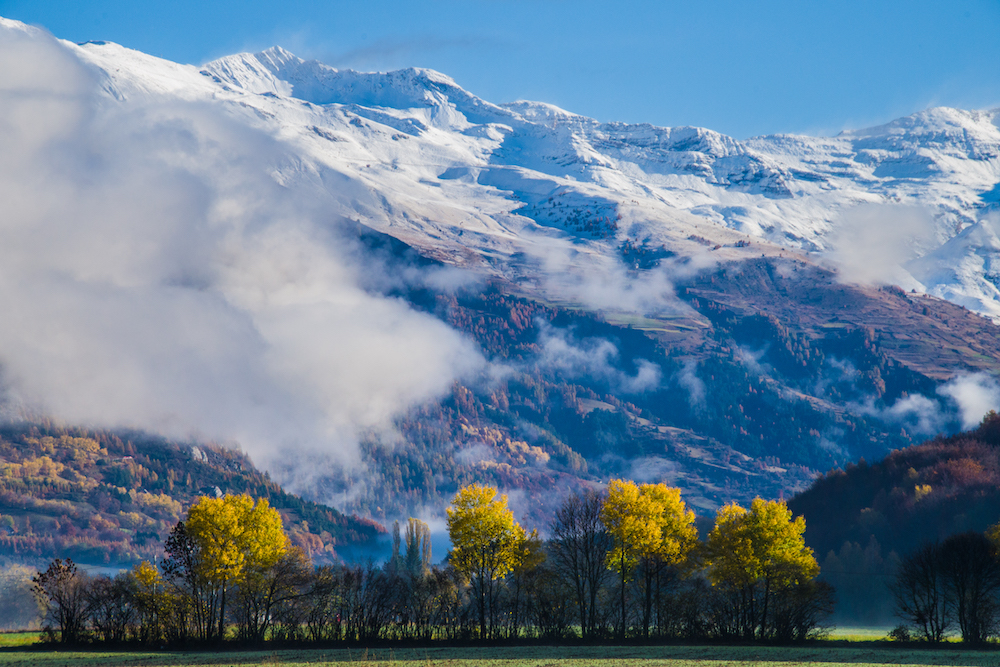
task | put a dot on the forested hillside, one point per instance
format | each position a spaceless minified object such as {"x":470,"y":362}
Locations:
{"x":863,"y":518}
{"x":768,"y":372}
{"x":922,"y":493}
{"x":102,"y":497}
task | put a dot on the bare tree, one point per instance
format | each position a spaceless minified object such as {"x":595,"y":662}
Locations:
{"x":63,"y":591}
{"x":263,"y":592}
{"x":112,"y":608}
{"x":972,"y":577}
{"x":578,"y":549}
{"x":921,"y":594}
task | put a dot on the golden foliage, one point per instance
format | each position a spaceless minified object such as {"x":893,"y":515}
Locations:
{"x":763,"y":543}
{"x":159,"y":503}
{"x":42,"y":468}
{"x":486,"y":540}
{"x":993,"y":532}
{"x":233,"y":535}
{"x":517,"y":452}
{"x":647,"y":521}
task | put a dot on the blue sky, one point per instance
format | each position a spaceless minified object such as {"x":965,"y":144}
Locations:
{"x":743,"y":68}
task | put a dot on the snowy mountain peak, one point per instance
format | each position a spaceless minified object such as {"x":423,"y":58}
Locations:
{"x":17,"y":26}
{"x":931,"y":121}
{"x":278,"y":71}
{"x":420,"y":157}
{"x":542,"y":111}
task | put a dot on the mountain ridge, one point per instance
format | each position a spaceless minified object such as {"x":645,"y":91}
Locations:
{"x":595,"y":299}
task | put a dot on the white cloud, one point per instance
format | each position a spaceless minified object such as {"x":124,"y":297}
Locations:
{"x":153,"y":274}
{"x":922,"y":414}
{"x":870,"y":243}
{"x":576,"y":274}
{"x":595,"y":357}
{"x":695,"y":386}
{"x":975,"y":394}
{"x":972,"y":394}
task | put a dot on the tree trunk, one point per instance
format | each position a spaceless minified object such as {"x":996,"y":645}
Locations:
{"x":222,"y":613}
{"x":621,"y":629}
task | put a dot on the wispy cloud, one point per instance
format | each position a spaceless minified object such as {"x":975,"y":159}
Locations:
{"x":404,"y":51}
{"x":975,"y":395}
{"x":563,"y":353}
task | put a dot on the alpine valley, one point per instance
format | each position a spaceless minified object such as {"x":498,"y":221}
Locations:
{"x":732,"y":317}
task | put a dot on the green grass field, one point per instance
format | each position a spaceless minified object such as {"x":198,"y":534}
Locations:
{"x":549,"y":656}
{"x":858,"y":634}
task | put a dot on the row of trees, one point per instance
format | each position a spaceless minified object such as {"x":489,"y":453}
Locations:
{"x":626,"y":563}
{"x":230,"y":562}
{"x":629,"y":563}
{"x":949,"y":583}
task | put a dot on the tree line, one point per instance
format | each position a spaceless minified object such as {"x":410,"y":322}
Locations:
{"x":623,"y":564}
{"x":944,"y":584}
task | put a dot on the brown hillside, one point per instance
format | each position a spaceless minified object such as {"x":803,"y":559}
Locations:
{"x":106,"y":498}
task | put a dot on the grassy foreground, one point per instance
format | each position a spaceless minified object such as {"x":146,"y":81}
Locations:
{"x":520,"y":656}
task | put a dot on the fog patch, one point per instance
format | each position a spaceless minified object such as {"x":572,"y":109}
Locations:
{"x":971,"y":396}
{"x":974,"y":394}
{"x":653,"y":470}
{"x":870,"y":243}
{"x":751,"y":360}
{"x":923,"y":415}
{"x":571,"y":272}
{"x":830,"y":443}
{"x":476,"y":453}
{"x":918,"y":414}
{"x":562,"y":353}
{"x":688,"y":378}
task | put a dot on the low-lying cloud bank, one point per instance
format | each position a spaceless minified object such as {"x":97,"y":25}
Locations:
{"x":154,"y":275}
{"x":962,"y":402}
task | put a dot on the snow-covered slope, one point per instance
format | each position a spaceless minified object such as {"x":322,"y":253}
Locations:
{"x":412,"y":154}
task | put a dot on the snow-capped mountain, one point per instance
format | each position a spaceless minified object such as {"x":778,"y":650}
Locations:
{"x":412,"y":154}
{"x":226,"y":252}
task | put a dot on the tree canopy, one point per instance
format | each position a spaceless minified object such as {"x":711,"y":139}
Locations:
{"x":233,"y":534}
{"x":762,"y":543}
{"x":756,"y":553}
{"x":647,"y":523}
{"x":221,"y":542}
{"x":484,"y":535}
{"x":487,"y":543}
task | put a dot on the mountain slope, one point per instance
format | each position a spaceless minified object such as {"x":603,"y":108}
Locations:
{"x":385,"y":287}
{"x":774,"y":373}
{"x":106,"y":498}
{"x":455,"y":173}
{"x":915,"y":495}
{"x":863,"y":518}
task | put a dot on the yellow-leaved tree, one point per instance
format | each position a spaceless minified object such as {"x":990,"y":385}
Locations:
{"x":757,"y":558}
{"x":222,"y":542}
{"x":650,"y":527}
{"x":487,"y":544}
{"x":149,"y":599}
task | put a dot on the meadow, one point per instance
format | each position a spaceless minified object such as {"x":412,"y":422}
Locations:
{"x":548,"y":656}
